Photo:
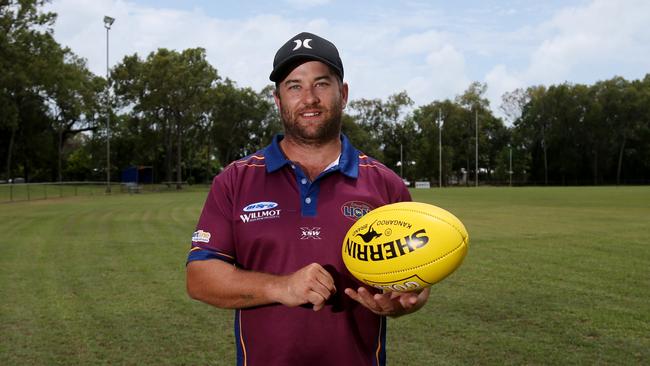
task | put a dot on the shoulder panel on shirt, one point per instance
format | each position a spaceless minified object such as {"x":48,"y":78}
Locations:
{"x":392,"y":182}
{"x":256,"y":160}
{"x":366,"y":161}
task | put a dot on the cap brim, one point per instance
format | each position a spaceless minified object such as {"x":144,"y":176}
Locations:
{"x":286,"y":66}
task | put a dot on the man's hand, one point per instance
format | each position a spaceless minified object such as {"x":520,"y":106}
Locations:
{"x":389,"y":303}
{"x":310,"y":284}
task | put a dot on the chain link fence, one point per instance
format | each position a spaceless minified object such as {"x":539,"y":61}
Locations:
{"x":15,"y":192}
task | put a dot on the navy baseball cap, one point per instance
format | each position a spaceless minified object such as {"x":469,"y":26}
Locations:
{"x":301,"y":48}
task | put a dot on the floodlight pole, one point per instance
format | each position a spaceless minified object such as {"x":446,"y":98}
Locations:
{"x":439,"y":148}
{"x":401,"y":162}
{"x":108,"y":21}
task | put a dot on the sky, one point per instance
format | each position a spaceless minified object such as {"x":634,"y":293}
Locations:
{"x":432,"y":50}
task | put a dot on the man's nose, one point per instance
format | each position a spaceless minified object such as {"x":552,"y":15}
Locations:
{"x":310,"y":96}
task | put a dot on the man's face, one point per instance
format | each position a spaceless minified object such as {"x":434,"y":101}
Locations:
{"x":311,"y":100}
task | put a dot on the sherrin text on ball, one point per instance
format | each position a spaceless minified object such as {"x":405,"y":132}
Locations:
{"x":405,"y":246}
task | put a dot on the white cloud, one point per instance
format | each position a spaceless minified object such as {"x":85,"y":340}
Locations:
{"x":583,"y":38}
{"x":240,"y":49}
{"x":501,"y":81}
{"x":432,"y":53}
{"x":580,"y":44}
{"x":420,"y":42}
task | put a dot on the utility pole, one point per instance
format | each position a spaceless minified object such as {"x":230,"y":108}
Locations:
{"x":439,"y":148}
{"x":510,"y":171}
{"x":476,"y":152}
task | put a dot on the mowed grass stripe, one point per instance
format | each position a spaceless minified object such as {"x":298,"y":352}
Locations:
{"x":553,"y":267}
{"x":100,"y":291}
{"x":553,"y":276}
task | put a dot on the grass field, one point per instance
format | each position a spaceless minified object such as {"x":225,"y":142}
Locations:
{"x":554,"y":276}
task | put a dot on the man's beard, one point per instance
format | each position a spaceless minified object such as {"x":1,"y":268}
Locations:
{"x":317,"y":134}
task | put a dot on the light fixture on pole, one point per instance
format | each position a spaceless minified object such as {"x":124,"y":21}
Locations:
{"x":108,"y":21}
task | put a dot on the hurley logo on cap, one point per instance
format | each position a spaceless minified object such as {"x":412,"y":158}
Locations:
{"x":302,"y":43}
{"x":301,"y":48}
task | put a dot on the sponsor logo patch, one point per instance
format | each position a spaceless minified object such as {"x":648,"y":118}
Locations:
{"x":353,"y":210}
{"x":376,"y":241}
{"x":201,"y":236}
{"x":260,"y":206}
{"x":310,"y":233}
{"x":260,"y":211}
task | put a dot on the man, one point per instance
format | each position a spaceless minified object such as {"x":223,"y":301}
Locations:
{"x":268,"y":242}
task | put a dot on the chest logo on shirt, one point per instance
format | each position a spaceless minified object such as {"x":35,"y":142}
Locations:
{"x":310,"y":233}
{"x":260,"y":211}
{"x":353,"y":210}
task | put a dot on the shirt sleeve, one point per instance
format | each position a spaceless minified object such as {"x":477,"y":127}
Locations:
{"x":398,"y":190}
{"x":213,"y":237}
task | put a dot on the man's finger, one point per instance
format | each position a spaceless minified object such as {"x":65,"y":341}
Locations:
{"x":368,"y":300}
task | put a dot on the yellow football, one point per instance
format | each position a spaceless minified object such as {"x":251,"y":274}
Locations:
{"x":405,"y":246}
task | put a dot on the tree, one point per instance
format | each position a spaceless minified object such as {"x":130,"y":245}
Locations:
{"x":624,"y":109}
{"x":25,"y":45}
{"x":240,"y":121}
{"x":532,"y":128}
{"x":513,"y":103}
{"x":491,"y":133}
{"x":74,"y":101}
{"x":426,"y":119}
{"x":380,"y":120}
{"x":170,"y":92}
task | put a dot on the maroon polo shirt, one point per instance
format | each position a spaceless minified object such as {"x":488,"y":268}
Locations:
{"x":263,"y":214}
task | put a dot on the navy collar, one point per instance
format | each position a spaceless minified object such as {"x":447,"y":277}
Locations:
{"x":348,"y":162}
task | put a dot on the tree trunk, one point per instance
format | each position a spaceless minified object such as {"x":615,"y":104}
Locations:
{"x":9,"y":151}
{"x":60,"y":158}
{"x":545,"y":163}
{"x":168,"y":155}
{"x":595,"y":167}
{"x":179,"y":156}
{"x":208,"y":166}
{"x":619,"y":168}
{"x":545,"y":153}
{"x":469,"y":153}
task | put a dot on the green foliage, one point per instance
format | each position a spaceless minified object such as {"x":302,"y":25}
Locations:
{"x":174,"y":112}
{"x":382,"y":126}
{"x":178,"y":102}
{"x":167,"y":93}
{"x":577,"y":134}
{"x":47,"y":93}
{"x":240,"y":121}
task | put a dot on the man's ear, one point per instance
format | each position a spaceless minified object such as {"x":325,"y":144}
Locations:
{"x":276,"y":98}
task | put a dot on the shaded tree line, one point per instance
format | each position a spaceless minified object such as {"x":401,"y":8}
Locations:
{"x":173,"y":111}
